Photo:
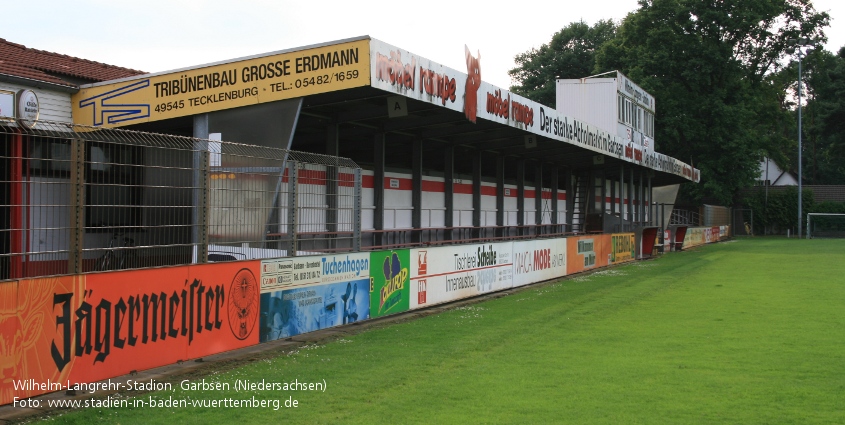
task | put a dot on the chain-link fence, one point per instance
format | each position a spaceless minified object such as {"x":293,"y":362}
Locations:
{"x":715,"y":215}
{"x":79,"y":199}
{"x":742,"y":222}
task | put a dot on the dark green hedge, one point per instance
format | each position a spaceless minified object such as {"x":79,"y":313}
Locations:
{"x":781,"y":211}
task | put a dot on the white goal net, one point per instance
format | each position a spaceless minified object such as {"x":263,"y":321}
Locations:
{"x":825,"y":225}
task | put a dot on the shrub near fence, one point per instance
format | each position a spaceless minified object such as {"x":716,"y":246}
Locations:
{"x":779,"y":212}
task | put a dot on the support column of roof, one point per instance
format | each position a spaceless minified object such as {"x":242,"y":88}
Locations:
{"x":650,"y":202}
{"x":449,"y":191}
{"x":520,"y":196}
{"x":500,"y":196}
{"x":555,"y":175}
{"x":631,"y":197}
{"x":332,"y":148}
{"x":570,"y":198}
{"x":416,"y":190}
{"x":476,"y":194}
{"x":378,"y":188}
{"x":612,"y":184}
{"x":538,"y":198}
{"x":621,"y":197}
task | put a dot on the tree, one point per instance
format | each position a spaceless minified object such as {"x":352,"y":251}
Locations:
{"x":709,"y":66}
{"x":570,"y":54}
{"x":826,"y":110}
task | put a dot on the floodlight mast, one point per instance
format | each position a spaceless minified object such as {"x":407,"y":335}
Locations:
{"x":801,"y":47}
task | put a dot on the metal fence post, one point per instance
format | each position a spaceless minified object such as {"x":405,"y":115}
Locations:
{"x":77,"y":207}
{"x":356,"y":212}
{"x":293,"y":207}
{"x":202,"y":203}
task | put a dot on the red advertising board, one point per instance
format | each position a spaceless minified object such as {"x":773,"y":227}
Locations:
{"x":27,"y":329}
{"x":73,"y":329}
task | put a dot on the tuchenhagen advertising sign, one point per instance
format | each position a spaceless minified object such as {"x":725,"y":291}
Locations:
{"x":305,"y":294}
{"x":310,"y":308}
{"x":249,"y":81}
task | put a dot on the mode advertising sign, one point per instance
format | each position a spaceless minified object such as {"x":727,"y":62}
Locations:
{"x":250,"y":81}
{"x":536,"y":261}
{"x":390,"y":276}
{"x":79,"y":329}
{"x":450,"y":273}
{"x":329,"y":290}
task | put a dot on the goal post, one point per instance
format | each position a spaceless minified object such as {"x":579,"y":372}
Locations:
{"x":825,"y":225}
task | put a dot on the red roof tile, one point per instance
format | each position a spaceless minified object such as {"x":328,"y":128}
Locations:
{"x":21,"y":71}
{"x":20,"y":61}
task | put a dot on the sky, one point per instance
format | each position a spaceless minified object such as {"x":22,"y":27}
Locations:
{"x":162,"y":35}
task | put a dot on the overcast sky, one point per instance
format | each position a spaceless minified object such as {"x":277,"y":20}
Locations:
{"x":161,"y":35}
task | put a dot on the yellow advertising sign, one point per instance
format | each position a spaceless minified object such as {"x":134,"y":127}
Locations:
{"x":622,"y":247}
{"x":230,"y":85}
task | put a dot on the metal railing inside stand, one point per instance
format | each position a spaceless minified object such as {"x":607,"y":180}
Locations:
{"x":81,"y":199}
{"x":685,"y":217}
{"x":434,"y":236}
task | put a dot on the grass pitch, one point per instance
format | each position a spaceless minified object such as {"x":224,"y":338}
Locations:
{"x":751,"y":331}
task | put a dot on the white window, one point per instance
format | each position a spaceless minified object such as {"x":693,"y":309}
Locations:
{"x":619,"y":108}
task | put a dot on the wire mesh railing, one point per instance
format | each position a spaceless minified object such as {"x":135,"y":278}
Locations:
{"x":77,"y":199}
{"x":715,"y":215}
{"x":685,"y":217}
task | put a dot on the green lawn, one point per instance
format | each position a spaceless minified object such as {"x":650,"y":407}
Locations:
{"x":746,"y":332}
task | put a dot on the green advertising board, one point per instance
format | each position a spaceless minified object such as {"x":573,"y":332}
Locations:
{"x":389,"y":282}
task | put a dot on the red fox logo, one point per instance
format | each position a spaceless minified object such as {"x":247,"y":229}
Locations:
{"x":473,"y":83}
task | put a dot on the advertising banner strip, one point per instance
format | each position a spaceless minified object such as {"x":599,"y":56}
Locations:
{"x":401,"y":72}
{"x":305,"y":294}
{"x":306,"y":309}
{"x":210,"y":88}
{"x":536,"y":261}
{"x":291,"y":272}
{"x":622,"y":247}
{"x":87,"y":328}
{"x":390,"y":289}
{"x":587,"y":252}
{"x":700,"y":235}
{"x":449,"y":273}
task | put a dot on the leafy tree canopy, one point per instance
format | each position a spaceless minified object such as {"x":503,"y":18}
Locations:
{"x":825,"y":131}
{"x":570,"y":54}
{"x":708,"y":64}
{"x":712,"y":66}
